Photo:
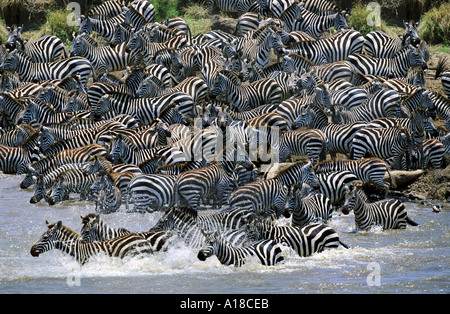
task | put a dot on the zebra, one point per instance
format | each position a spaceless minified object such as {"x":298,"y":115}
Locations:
{"x":388,"y":213}
{"x":385,"y":103}
{"x":408,"y":57}
{"x":383,"y":143}
{"x":104,"y":27}
{"x":312,"y":142}
{"x":234,"y":6}
{"x":103,"y":59}
{"x":62,"y":238}
{"x":217,"y":179}
{"x":290,"y":109}
{"x":151,"y":192}
{"x":49,"y":163}
{"x":95,"y":229}
{"x":305,"y":240}
{"x":38,"y":113}
{"x":367,"y":170}
{"x":15,"y":160}
{"x":106,"y":10}
{"x":17,"y":135}
{"x":308,"y":207}
{"x":149,"y":50}
{"x":72,"y":180}
{"x":11,"y":108}
{"x":378,"y":44}
{"x":228,"y":219}
{"x":431,"y":157}
{"x":47,"y":48}
{"x":122,"y":149}
{"x":335,"y":48}
{"x":339,"y":135}
{"x":267,"y":252}
{"x":297,"y":17}
{"x":107,"y":196}
{"x":19,"y":62}
{"x":45,"y":181}
{"x":259,"y":49}
{"x":246,"y":96}
{"x":181,"y":222}
{"x":144,"y":109}
{"x":262,"y":197}
{"x":194,"y":86}
{"x":331,"y":185}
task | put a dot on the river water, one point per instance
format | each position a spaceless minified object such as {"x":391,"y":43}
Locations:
{"x":415,"y":260}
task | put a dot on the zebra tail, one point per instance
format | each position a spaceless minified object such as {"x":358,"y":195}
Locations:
{"x":343,"y":244}
{"x":410,"y":222}
{"x":441,"y":67}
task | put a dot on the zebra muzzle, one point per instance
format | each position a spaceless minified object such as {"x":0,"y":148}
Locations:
{"x":34,"y":251}
{"x":201,"y":256}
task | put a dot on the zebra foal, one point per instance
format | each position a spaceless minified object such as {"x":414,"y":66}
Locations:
{"x":388,"y":213}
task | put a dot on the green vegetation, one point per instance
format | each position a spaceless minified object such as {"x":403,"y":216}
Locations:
{"x":57,"y":25}
{"x":358,"y":20}
{"x":3,"y":32}
{"x":434,"y":25}
{"x":165,"y":9}
{"x":197,"y":18}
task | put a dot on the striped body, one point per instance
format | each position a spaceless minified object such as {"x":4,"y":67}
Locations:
{"x":62,"y":238}
{"x":388,"y":213}
{"x":306,"y":240}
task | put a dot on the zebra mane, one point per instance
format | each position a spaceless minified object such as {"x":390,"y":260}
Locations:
{"x":65,"y":230}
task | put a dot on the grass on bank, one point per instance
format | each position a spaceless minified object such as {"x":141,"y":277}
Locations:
{"x":434,"y":25}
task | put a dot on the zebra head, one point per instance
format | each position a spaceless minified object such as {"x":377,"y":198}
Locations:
{"x":30,"y":178}
{"x":414,"y":58}
{"x":48,"y":239}
{"x":323,"y":96}
{"x":136,"y":41}
{"x":11,"y":62}
{"x":340,"y":20}
{"x":411,"y":30}
{"x":58,"y":191}
{"x":309,"y":176}
{"x":91,"y":227}
{"x":147,"y":87}
{"x":257,"y":228}
{"x":78,"y":45}
{"x":101,"y":108}
{"x":85,"y":25}
{"x":305,"y":117}
{"x":40,"y":191}
{"x":211,"y":246}
{"x":351,"y":200}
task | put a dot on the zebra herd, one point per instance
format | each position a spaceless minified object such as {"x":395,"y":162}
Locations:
{"x":193,"y":120}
